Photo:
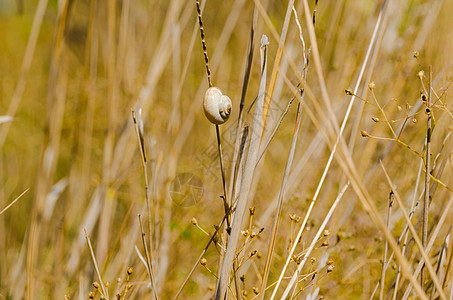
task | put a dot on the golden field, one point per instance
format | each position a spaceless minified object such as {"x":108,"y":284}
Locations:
{"x":335,"y":179}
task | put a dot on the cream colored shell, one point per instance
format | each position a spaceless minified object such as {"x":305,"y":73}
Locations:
{"x":217,"y":107}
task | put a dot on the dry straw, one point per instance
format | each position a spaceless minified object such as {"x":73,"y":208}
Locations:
{"x":290,"y":182}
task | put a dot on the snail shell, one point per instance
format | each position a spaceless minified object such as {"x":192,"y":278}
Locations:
{"x":217,"y":107}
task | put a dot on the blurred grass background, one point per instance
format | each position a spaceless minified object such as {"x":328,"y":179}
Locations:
{"x":72,"y":140}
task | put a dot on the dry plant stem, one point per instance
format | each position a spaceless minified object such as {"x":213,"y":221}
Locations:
{"x":379,"y":107}
{"x":301,"y":37}
{"x":277,"y":61}
{"x":203,"y":42}
{"x":240,"y":258}
{"x":317,"y":61}
{"x":138,"y":124}
{"x":148,"y":259}
{"x":274,"y":33}
{"x":14,"y":201}
{"x":430,"y":244}
{"x":405,"y":232}
{"x":439,"y":262}
{"x":328,"y":122}
{"x":416,"y":238}
{"x":346,"y":163}
{"x":279,"y":122}
{"x":365,"y":89}
{"x":219,"y":144}
{"x":248,"y":68}
{"x":249,"y":63}
{"x":449,"y":264}
{"x":289,"y":162}
{"x":208,"y":71}
{"x":246,"y":244}
{"x":413,"y":111}
{"x":201,"y":256}
{"x":134,"y":184}
{"x":395,"y":139}
{"x":343,"y":125}
{"x":432,"y":240}
{"x":222,"y":170}
{"x":372,"y":211}
{"x":252,"y":158}
{"x":240,"y":167}
{"x":104,"y":290}
{"x":236,"y":280}
{"x":189,"y":118}
{"x":384,"y":260}
{"x":331,"y":117}
{"x":427,"y":170}
{"x":238,"y":163}
{"x":314,"y":241}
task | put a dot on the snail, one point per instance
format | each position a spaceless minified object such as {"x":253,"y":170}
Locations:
{"x":217,"y":107}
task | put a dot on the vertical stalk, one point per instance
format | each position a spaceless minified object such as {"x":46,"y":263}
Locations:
{"x":149,"y":266}
{"x":247,"y":178}
{"x":219,"y":144}
{"x":384,"y":261}
{"x":203,"y":42}
{"x":222,"y":170}
{"x":427,"y":170}
{"x":289,"y":162}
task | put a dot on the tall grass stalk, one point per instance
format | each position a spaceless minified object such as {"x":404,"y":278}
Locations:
{"x":427,"y":167}
{"x":289,"y":162}
{"x":417,"y":240}
{"x":349,"y":168}
{"x":237,"y":143}
{"x":277,"y":61}
{"x":148,"y":260}
{"x":217,"y":130}
{"x":314,"y":241}
{"x":384,"y":260}
{"x":98,"y":273}
{"x":252,"y":158}
{"x":343,"y":125}
{"x":431,"y":243}
{"x":14,"y":201}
